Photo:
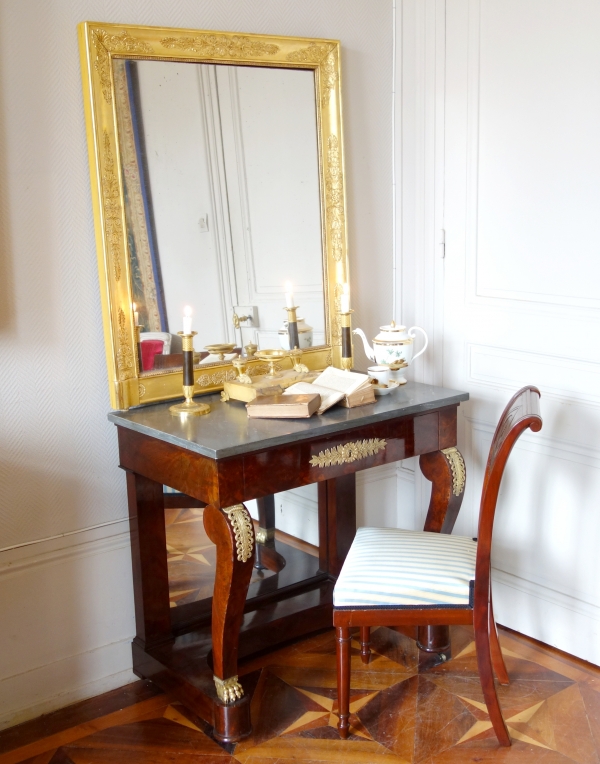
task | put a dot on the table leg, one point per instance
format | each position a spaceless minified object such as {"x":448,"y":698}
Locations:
{"x":231,"y":530}
{"x":266,"y":554}
{"x":149,"y":560}
{"x":446,"y":470}
{"x":337,"y":522}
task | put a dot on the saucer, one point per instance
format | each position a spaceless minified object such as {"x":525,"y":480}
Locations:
{"x":383,"y":390}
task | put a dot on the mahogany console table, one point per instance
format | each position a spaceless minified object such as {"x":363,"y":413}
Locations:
{"x":224,"y":459}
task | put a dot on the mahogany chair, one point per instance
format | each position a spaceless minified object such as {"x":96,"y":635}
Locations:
{"x":408,"y":578}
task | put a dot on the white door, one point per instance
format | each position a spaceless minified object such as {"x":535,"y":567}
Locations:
{"x":522,"y":294}
{"x":268,"y":129}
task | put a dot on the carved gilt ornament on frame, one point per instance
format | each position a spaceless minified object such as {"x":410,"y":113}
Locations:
{"x":101,"y":45}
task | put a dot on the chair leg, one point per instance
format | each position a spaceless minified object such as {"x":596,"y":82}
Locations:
{"x":343,"y":679}
{"x":486,"y":675}
{"x":365,"y":642}
{"x":495,"y":651}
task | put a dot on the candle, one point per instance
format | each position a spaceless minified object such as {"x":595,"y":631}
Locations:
{"x":345,"y":298}
{"x":289,"y":295}
{"x":136,"y":315}
{"x":187,"y":320}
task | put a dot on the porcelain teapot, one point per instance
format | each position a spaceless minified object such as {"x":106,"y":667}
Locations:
{"x":392,"y":344}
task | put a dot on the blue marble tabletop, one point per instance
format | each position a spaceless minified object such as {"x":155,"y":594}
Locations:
{"x":227,"y":431}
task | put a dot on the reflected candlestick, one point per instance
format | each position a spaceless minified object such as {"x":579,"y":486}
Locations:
{"x":346,"y":331}
{"x":293,"y":326}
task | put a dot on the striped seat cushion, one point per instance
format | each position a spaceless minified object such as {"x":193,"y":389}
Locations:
{"x":392,"y":568}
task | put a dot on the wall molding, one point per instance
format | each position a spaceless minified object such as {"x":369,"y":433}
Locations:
{"x":563,"y":596}
{"x":565,"y":621}
{"x":559,"y":448}
{"x":540,"y":302}
{"x":420,"y":68}
{"x":207,"y":84}
{"x":46,"y":672}
{"x":72,"y":679}
{"x":71,"y":548}
{"x":87,"y":542}
{"x":375,"y":474}
{"x":557,"y":375}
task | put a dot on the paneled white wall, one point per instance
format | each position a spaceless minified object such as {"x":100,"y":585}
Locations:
{"x":498,"y":135}
{"x":66,"y":610}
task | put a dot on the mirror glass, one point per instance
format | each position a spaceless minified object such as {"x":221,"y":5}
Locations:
{"x":221,"y":182}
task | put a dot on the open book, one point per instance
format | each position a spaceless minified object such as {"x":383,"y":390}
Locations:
{"x":335,"y":386}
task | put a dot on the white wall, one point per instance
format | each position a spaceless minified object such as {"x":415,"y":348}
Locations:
{"x":66,"y":603}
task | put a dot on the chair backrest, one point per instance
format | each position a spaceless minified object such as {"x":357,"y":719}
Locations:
{"x":521,"y":412}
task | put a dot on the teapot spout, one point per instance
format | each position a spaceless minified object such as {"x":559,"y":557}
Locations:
{"x":369,"y":352}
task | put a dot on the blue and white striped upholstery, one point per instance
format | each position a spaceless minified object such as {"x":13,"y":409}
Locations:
{"x":392,"y":568}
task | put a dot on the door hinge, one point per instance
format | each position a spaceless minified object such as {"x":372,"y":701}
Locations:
{"x":442,"y":242}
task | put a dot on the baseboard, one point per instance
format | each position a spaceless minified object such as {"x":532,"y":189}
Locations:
{"x":556,"y":618}
{"x":56,"y":685}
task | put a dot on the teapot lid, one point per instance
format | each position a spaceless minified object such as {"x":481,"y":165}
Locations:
{"x":391,"y":327}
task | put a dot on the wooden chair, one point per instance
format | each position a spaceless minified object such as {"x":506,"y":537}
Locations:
{"x":408,"y":578}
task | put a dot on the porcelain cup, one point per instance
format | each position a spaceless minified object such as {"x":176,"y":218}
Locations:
{"x":381,"y":374}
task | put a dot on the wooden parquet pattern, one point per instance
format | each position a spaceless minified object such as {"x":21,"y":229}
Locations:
{"x":402,"y":712}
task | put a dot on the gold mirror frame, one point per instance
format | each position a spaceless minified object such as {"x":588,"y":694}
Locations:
{"x":99,"y":44}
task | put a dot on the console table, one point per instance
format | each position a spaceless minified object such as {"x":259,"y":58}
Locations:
{"x":224,"y":459}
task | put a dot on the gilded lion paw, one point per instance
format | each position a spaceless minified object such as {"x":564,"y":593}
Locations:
{"x":228,"y":690}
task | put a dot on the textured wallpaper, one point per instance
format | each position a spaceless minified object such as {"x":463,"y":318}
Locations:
{"x":58,"y":455}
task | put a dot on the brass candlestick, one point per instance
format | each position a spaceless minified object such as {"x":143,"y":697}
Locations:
{"x":346,"y":327}
{"x":189,"y":407}
{"x":293,"y":327}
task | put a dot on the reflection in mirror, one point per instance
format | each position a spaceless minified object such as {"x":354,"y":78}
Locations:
{"x":221,"y":183}
{"x":287,"y":546}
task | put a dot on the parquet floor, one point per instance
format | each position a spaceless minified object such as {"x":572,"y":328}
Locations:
{"x":403,"y":711}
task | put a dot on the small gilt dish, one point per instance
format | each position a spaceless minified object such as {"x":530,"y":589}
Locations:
{"x":271,"y":357}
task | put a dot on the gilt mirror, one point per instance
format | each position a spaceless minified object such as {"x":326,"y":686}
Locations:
{"x":217,"y":183}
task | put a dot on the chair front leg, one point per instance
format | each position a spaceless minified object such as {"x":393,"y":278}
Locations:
{"x":481,"y":618}
{"x":495,"y":650}
{"x":343,"y":679}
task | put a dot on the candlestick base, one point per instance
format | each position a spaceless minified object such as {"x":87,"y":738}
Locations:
{"x":296,"y":356}
{"x":189,"y":407}
{"x":346,"y":363}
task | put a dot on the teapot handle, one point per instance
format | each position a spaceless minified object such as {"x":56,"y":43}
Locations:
{"x":413,"y":335}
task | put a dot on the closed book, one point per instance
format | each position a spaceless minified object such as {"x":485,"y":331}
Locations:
{"x":359,"y":397}
{"x":283,"y":406}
